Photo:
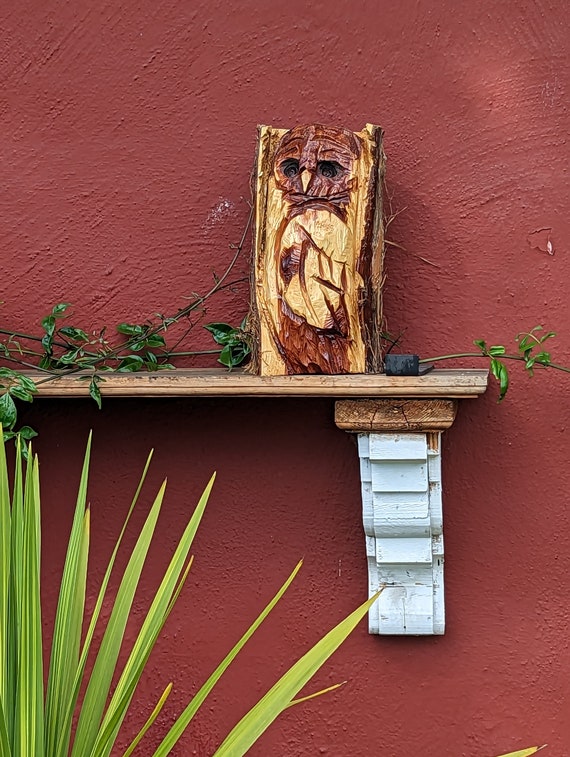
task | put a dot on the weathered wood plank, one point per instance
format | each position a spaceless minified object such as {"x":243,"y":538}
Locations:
{"x":369,"y":415}
{"x":221,"y":383}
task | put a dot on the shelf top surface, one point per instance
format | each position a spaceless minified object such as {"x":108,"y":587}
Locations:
{"x":217,"y":382}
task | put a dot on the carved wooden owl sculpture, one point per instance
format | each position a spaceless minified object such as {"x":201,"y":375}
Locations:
{"x":318,"y":249}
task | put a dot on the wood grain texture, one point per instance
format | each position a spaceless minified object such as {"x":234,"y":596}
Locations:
{"x":217,"y":382}
{"x":368,"y":415}
{"x":318,"y":251}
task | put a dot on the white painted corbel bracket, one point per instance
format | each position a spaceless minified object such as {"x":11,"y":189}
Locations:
{"x":400,"y":468}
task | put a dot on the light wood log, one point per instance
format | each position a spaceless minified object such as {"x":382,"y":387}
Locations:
{"x":318,"y":251}
{"x":368,"y":415}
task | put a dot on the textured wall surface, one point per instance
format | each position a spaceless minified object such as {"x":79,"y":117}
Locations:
{"x":128,"y":131}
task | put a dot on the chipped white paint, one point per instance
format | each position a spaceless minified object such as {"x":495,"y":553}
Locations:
{"x":403,"y":523}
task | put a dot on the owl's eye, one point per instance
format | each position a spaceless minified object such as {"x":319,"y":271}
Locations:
{"x":290,"y":168}
{"x":328,"y":168}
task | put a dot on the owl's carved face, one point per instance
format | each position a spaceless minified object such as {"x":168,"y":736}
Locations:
{"x":313,"y":165}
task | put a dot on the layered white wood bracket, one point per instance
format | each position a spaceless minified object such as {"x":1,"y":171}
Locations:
{"x":399,"y":445}
{"x":403,"y":526}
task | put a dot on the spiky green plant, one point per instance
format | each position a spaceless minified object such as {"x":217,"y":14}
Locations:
{"x":34,"y":723}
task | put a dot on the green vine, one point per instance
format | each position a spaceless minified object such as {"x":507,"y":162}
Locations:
{"x":64,"y":349}
{"x":530,"y":351}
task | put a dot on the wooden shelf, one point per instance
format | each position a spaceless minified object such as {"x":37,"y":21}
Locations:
{"x":217,"y":382}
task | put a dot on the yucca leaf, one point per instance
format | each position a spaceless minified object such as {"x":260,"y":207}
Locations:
{"x":151,"y":627}
{"x":184,"y":719}
{"x":67,"y":700}
{"x":114,"y":717}
{"x":68,"y":624}
{"x":21,"y":707}
{"x":29,"y":694}
{"x":524,"y":752}
{"x":153,"y":716}
{"x":15,"y":602}
{"x":5,"y":750}
{"x":316,"y":694}
{"x":4,"y":569}
{"x":254,"y":723}
{"x":106,"y":660}
{"x":72,"y":700}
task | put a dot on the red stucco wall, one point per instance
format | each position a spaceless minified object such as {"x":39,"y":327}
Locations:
{"x":128,"y":132}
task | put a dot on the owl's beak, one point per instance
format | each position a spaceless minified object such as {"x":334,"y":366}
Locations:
{"x":305,"y":180}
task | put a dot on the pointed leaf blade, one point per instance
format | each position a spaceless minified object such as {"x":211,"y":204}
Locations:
{"x":278,"y":698}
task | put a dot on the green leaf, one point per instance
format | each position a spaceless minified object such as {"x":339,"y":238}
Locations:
{"x":546,"y":336}
{"x":94,"y":390}
{"x":155,"y":340}
{"x":62,"y":750}
{"x":20,"y":393}
{"x":22,"y":446}
{"x":157,"y":614}
{"x":106,"y":660}
{"x":497,"y":350}
{"x":524,"y":752}
{"x":85,"y":361}
{"x":8,"y":411}
{"x":48,"y":325}
{"x":222,"y":328}
{"x":131,"y":363}
{"x":59,"y":309}
{"x":543,"y":358}
{"x":9,"y":374}
{"x":192,"y":708}
{"x":5,"y":749}
{"x":27,"y":433}
{"x":27,"y":383}
{"x":78,"y":335}
{"x":501,"y":373}
{"x":130,"y":329}
{"x":526,"y":342}
{"x":481,"y":344}
{"x":226,"y":356}
{"x":29,"y":710}
{"x":45,"y":360}
{"x":151,"y":362}
{"x":5,"y":573}
{"x":68,"y":623}
{"x":254,"y":723}
{"x":153,"y":716}
{"x":68,"y":357}
{"x":16,"y":548}
{"x":222,"y":333}
{"x":240,"y":353}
